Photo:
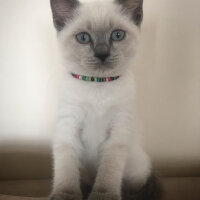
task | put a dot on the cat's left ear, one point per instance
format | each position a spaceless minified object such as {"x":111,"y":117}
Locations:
{"x":135,"y":8}
{"x":63,"y":11}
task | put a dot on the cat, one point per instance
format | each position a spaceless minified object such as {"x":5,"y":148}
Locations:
{"x":97,"y":148}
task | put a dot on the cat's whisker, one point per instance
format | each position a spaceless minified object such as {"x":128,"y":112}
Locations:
{"x":90,"y":61}
{"x":113,"y":61}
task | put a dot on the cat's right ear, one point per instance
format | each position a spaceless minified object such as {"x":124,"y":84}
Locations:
{"x":62,"y":12}
{"x":134,"y":8}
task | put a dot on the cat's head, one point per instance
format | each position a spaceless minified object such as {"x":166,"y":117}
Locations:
{"x":98,"y":37}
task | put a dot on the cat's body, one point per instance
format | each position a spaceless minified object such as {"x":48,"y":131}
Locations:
{"x":97,"y":146}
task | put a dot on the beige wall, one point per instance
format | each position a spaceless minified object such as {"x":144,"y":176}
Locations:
{"x":28,"y":68}
{"x":167,"y":74}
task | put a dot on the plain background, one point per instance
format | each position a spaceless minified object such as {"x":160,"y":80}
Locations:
{"x":167,"y":74}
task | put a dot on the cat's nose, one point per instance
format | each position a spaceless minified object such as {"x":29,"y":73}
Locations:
{"x":102,"y":51}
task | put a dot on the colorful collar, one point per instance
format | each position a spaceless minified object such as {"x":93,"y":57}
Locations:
{"x":95,"y":79}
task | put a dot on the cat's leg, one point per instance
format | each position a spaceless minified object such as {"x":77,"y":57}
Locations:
{"x":109,"y":176}
{"x":67,"y":152}
{"x":139,"y":183}
{"x":107,"y":184}
{"x":66,"y":184}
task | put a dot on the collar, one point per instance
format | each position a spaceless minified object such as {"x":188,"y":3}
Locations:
{"x":94,"y":79}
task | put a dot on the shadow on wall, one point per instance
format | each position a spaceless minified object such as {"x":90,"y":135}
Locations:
{"x":25,"y":162}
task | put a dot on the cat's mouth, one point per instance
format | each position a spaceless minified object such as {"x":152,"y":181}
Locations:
{"x":108,"y":63}
{"x":104,"y":65}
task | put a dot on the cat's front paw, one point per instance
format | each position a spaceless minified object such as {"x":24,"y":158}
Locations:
{"x":103,"y":196}
{"x":65,"y":196}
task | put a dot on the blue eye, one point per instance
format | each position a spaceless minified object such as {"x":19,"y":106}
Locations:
{"x":83,"y":38}
{"x":118,"y":35}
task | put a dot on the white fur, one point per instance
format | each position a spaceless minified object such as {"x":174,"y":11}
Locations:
{"x":97,"y":127}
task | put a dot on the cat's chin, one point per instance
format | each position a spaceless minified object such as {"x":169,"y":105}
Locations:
{"x":95,"y":71}
{"x":98,"y":72}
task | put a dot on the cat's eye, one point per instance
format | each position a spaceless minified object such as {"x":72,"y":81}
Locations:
{"x":118,"y":35}
{"x":83,"y":38}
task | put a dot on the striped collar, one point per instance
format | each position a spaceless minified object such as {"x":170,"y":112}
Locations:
{"x":94,"y":79}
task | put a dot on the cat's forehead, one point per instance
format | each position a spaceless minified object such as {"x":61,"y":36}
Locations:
{"x":100,"y":15}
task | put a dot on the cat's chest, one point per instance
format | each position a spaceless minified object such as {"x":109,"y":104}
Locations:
{"x":95,"y":130}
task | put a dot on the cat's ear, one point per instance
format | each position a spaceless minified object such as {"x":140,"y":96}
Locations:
{"x":134,"y":7}
{"x":63,"y":11}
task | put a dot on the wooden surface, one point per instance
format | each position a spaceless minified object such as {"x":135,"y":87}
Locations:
{"x":5,"y":197}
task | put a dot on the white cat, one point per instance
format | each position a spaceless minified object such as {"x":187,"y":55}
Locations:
{"x":97,"y":150}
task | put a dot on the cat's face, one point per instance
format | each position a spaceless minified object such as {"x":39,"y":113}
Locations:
{"x":97,"y":38}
